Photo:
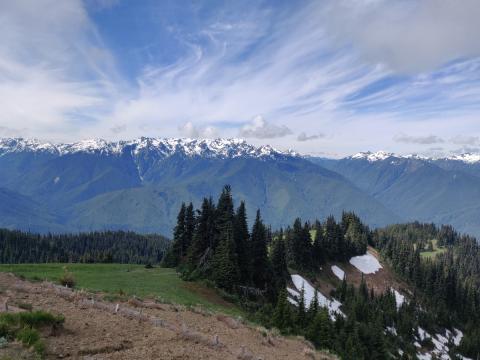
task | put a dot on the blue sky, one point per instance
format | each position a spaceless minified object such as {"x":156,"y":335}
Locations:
{"x":325,"y":77}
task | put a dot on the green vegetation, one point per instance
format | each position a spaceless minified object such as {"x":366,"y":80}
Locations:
{"x":124,"y":279}
{"x":432,"y":249}
{"x":17,"y":247}
{"x":25,"y":326}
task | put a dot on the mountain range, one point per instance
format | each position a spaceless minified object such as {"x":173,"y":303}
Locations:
{"x":140,"y":184}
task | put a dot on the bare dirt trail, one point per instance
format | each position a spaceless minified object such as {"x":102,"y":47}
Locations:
{"x":95,"y":329}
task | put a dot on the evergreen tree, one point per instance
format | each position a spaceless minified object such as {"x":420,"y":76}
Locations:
{"x":301,"y":319}
{"x":279,"y":262}
{"x":201,"y":249}
{"x":241,"y":238}
{"x":282,"y":316}
{"x":258,"y":253}
{"x":320,"y":330}
{"x":179,"y":246}
{"x":225,"y":266}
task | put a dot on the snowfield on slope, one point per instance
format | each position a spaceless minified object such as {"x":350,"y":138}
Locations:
{"x":367,"y":264}
{"x":332,"y":305}
{"x":339,"y":273}
{"x":399,"y":299}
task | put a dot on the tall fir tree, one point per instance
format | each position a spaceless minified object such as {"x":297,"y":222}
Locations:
{"x":259,"y":264}
{"x":225,"y":267}
{"x":279,"y":262}
{"x":178,"y":249}
{"x":200,"y":250}
{"x":241,"y":238}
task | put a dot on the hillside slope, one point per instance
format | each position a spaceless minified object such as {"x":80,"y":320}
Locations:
{"x":139,"y":185}
{"x":444,"y":192}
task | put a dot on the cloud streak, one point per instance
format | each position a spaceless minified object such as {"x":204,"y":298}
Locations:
{"x":295,"y":65}
{"x":421,"y":140}
{"x":304,"y":137}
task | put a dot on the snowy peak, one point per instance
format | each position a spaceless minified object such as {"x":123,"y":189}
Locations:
{"x":467,"y":158}
{"x":215,"y":148}
{"x":369,"y":156}
{"x":372,"y":156}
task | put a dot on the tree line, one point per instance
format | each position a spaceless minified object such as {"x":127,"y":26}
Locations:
{"x":93,"y":247}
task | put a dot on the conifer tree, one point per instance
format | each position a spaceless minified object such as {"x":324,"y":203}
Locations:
{"x":225,"y":266}
{"x":258,"y":253}
{"x":282,"y":315}
{"x":201,"y":245}
{"x":178,"y":248}
{"x":320,"y":330}
{"x":301,"y":319}
{"x":241,"y":238}
{"x":224,"y":216}
{"x":314,"y":307}
{"x":189,"y":228}
{"x":279,"y":262}
{"x":318,"y":250}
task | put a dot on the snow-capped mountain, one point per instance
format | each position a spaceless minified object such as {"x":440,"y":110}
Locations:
{"x":441,"y":190}
{"x":370,"y":156}
{"x":139,"y":184}
{"x":216,"y":148}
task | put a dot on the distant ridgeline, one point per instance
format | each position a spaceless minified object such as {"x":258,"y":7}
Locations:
{"x":94,"y":247}
{"x":441,"y":266}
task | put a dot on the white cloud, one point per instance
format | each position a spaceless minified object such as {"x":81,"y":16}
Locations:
{"x":421,"y":140}
{"x":304,"y":137}
{"x":409,"y":36}
{"x":189,"y":130}
{"x":465,"y":140}
{"x":59,"y":81}
{"x":259,"y":128}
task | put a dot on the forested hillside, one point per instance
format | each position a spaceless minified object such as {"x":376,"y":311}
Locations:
{"x":440,"y":266}
{"x":95,"y":247}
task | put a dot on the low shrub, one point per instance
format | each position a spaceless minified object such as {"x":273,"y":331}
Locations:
{"x":28,"y":336}
{"x":67,"y":279}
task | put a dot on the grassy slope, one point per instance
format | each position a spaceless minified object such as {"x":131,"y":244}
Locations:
{"x":436,"y":250}
{"x":161,"y":283}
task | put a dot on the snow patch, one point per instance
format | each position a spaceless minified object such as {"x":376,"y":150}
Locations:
{"x":367,"y":264}
{"x":339,"y":273}
{"x":399,"y":299}
{"x":332,"y":305}
{"x":457,"y":339}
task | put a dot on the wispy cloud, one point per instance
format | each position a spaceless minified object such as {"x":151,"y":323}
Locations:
{"x":422,"y":140}
{"x":362,"y":81}
{"x":304,"y":137}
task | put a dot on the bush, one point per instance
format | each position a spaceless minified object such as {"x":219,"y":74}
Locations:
{"x":34,"y":319}
{"x":28,"y":336}
{"x":67,"y":279}
{"x":25,"y":306}
{"x":39,"y":347}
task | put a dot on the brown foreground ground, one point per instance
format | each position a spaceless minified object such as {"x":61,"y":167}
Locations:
{"x":96,"y":329}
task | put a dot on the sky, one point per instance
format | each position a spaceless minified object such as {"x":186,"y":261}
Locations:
{"x":324,"y":77}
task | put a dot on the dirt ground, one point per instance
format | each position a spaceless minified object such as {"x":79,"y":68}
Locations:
{"x":95,"y":329}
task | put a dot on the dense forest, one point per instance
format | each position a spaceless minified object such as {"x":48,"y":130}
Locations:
{"x":448,"y":284}
{"x":252,"y":266}
{"x":214,"y":243}
{"x":94,"y":247}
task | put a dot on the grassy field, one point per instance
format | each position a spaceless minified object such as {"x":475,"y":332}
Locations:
{"x":436,"y":250}
{"x":160,"y":283}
